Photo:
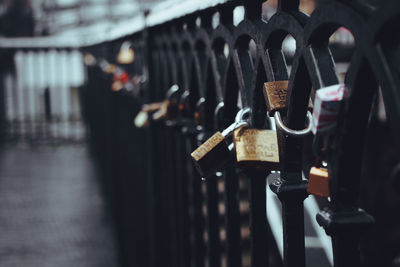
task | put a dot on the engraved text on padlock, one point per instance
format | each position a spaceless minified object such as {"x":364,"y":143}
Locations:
{"x":275,"y":95}
{"x":256,"y":147}
{"x":211,"y":154}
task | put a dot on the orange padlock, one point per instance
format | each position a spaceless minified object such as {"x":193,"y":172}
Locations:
{"x":318,"y":182}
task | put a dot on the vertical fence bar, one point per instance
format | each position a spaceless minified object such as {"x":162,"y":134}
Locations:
{"x":182,"y":198}
{"x":258,"y":220}
{"x":148,"y":69}
{"x":232,"y":216}
{"x":213,"y":229}
{"x":196,"y":202}
{"x":172,"y":183}
{"x":290,"y":187}
{"x":291,"y":191}
{"x":160,"y":181}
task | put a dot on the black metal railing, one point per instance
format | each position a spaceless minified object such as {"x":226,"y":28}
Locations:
{"x":168,"y":215}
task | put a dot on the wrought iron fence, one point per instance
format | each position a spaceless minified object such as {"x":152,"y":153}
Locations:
{"x":168,"y":215}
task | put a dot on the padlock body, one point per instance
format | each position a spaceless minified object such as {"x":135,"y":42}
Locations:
{"x":256,"y":148}
{"x":211,"y":155}
{"x":275,"y":95}
{"x":318,"y":182}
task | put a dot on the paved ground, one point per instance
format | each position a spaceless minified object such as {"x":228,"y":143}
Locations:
{"x":51,"y":211}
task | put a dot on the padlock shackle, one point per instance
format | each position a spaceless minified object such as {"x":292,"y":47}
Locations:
{"x":233,"y":127}
{"x":240,"y":122}
{"x":291,"y":132}
{"x":173,"y":90}
{"x":272,"y":123}
{"x":242,"y":113}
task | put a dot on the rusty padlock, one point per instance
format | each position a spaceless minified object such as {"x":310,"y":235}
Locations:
{"x":215,"y":152}
{"x":167,"y":109}
{"x":142,"y":118}
{"x":275,"y":97}
{"x":162,"y":111}
{"x":318,"y":182}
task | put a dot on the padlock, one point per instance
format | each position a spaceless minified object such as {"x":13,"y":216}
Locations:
{"x":275,"y":95}
{"x":167,"y":109}
{"x":162,"y":112}
{"x":211,"y":154}
{"x":256,"y":149}
{"x":142,"y":118}
{"x":318,"y":182}
{"x":215,"y":152}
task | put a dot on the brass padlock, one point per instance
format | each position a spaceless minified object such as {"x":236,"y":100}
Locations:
{"x":167,"y":109}
{"x":256,"y":148}
{"x":275,"y":95}
{"x":142,"y":118}
{"x":318,"y":182}
{"x":214,"y":153}
{"x":211,"y":154}
{"x":162,"y":112}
